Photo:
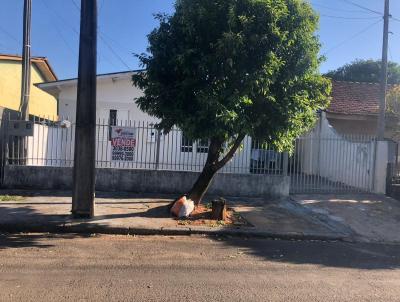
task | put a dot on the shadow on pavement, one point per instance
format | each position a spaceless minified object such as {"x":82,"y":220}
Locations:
{"x":22,"y":240}
{"x":20,"y":217}
{"x":366,"y":256}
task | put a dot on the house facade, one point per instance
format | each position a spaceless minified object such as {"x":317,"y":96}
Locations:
{"x":116,"y":109}
{"x":115,"y":98}
{"x":337,"y":156}
{"x":353,"y":111}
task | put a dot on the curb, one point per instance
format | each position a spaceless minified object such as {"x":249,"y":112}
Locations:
{"x":87,"y":228}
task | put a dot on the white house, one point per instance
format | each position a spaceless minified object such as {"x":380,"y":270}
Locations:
{"x":323,"y":161}
{"x":115,"y":97}
{"x":116,"y":107}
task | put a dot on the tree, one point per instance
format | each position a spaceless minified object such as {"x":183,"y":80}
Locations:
{"x":365,"y":71}
{"x":224,"y":69}
{"x":393,"y":101}
{"x":393,"y":113}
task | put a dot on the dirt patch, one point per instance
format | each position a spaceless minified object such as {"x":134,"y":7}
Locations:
{"x":201,"y":216}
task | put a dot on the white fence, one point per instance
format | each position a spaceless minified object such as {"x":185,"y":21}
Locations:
{"x":52,"y":144}
{"x":323,"y":160}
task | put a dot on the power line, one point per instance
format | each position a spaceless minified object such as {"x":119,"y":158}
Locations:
{"x":72,"y":27}
{"x":350,"y":18}
{"x":352,"y":37}
{"x":395,"y":19}
{"x":60,"y":17}
{"x":341,"y":10}
{"x":114,"y":52}
{"x":390,"y":54}
{"x":102,"y":38}
{"x":362,"y":7}
{"x":101,"y":7}
{"x":9,"y":35}
{"x":57,"y":28}
{"x":118,"y":44}
{"x":76,"y":5}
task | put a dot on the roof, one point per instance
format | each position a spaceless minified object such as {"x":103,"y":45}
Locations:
{"x":348,"y":98}
{"x":354,"y":98}
{"x":53,"y":87}
{"x":41,"y":63}
{"x":120,"y":74}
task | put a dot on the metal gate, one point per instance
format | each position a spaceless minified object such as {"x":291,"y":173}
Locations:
{"x":332,"y":164}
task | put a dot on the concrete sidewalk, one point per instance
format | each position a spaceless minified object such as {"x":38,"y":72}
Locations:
{"x":368,"y":217}
{"x":145,"y":215}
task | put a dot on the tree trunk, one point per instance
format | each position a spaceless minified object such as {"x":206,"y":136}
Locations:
{"x":213,"y":164}
{"x":201,"y":185}
{"x":210,"y":168}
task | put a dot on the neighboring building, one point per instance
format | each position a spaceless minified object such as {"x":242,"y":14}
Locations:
{"x":354,"y":109}
{"x":41,"y":103}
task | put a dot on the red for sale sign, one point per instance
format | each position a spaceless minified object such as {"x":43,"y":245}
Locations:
{"x":123,"y":143}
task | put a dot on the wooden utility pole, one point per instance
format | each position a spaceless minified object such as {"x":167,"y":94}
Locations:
{"x":384,"y":70}
{"x":85,"y":143}
{"x":26,"y":61}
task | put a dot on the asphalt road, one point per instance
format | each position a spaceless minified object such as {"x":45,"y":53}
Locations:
{"x":126,"y":268}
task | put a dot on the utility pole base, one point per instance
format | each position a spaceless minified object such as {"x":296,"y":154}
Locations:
{"x":82,"y":215}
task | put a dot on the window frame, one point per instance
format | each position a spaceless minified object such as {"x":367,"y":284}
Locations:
{"x":202,"y":146}
{"x":112,"y":121}
{"x":186,"y":144}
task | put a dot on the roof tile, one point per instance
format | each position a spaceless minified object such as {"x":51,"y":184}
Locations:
{"x":354,"y":98}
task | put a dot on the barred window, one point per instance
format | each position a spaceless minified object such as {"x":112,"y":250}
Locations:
{"x":186,"y":144}
{"x":202,"y":146}
{"x":112,"y":119}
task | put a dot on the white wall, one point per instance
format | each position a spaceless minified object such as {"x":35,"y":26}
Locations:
{"x":117,"y":94}
{"x":381,"y":164}
{"x":327,"y":154}
{"x":50,"y":146}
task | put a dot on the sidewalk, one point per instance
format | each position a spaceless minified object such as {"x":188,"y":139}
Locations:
{"x":369,"y":217}
{"x":146,"y":215}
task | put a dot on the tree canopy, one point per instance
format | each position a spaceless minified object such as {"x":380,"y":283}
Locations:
{"x":365,"y":71}
{"x":223,"y":69}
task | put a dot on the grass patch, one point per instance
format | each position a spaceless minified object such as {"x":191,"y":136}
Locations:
{"x":10,"y":198}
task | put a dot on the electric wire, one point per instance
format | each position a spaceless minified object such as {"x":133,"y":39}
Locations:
{"x":362,"y":7}
{"x":352,"y":37}
{"x":108,"y":45}
{"x":350,"y":18}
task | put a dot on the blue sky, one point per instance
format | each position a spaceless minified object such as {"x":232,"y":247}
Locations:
{"x":347,"y":32}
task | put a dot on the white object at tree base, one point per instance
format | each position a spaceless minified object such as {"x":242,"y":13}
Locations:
{"x":183,"y":207}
